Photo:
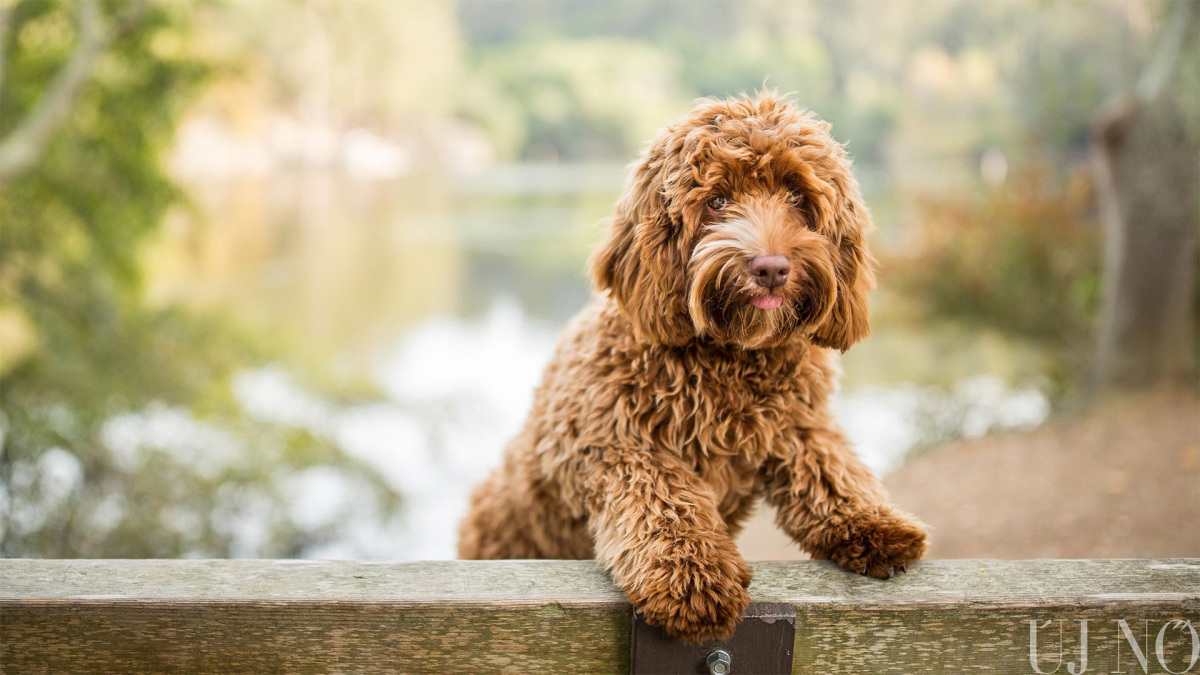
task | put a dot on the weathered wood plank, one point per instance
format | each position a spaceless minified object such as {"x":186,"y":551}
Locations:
{"x":565,"y":616}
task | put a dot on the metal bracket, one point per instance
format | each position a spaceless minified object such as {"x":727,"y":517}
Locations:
{"x":762,"y":645}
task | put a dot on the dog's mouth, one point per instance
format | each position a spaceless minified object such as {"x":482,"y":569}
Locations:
{"x":767,"y":302}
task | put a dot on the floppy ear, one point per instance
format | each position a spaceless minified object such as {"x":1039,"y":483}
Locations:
{"x":638,"y":261}
{"x":847,"y":322}
{"x":614,"y":264}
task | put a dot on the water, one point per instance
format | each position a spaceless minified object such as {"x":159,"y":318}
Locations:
{"x":445,"y":294}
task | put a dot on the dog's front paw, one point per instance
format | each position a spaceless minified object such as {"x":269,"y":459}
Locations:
{"x":696,"y":599}
{"x":877,"y":542}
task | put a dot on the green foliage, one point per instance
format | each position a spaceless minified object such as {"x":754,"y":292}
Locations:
{"x":90,"y":350}
{"x":98,"y":190}
{"x":1024,"y":260}
{"x":573,"y":98}
{"x":936,"y":78}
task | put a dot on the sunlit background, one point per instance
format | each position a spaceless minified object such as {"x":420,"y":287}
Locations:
{"x":278,"y":278}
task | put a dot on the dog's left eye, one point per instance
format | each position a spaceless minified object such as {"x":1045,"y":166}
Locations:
{"x":795,"y":197}
{"x":716,"y":203}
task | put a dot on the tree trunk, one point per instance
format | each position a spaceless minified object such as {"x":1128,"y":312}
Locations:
{"x":1147,"y":165}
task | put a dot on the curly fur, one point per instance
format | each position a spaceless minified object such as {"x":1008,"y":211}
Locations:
{"x":674,"y":404}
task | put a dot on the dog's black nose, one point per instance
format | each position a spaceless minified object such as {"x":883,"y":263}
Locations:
{"x":770,"y":271}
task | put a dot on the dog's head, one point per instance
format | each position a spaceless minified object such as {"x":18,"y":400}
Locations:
{"x":741,"y":224}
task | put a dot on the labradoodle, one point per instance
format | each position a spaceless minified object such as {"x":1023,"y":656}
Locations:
{"x":700,"y":378}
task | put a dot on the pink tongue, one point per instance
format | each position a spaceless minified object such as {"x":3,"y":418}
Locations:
{"x":767,"y":301}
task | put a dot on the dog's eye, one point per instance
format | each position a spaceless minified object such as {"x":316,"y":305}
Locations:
{"x":716,"y":203}
{"x":795,"y":197}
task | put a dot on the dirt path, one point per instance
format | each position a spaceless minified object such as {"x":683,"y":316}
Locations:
{"x":1121,"y":481}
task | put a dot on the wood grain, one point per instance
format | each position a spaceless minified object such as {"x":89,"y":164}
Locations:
{"x":132,"y":616}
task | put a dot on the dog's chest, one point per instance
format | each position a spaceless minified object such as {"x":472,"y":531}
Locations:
{"x":724,"y":411}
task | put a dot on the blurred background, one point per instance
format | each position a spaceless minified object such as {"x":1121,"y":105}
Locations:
{"x":278,"y":278}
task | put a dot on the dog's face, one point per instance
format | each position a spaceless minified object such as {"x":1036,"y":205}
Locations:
{"x":743,"y":225}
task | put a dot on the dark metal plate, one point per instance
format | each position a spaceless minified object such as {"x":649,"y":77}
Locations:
{"x":762,"y":645}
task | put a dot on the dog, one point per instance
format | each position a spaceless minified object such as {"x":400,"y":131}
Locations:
{"x":699,"y":379}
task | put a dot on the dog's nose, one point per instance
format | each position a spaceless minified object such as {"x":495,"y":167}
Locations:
{"x":770,"y":271}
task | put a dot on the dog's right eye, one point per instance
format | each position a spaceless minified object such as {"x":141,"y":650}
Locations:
{"x":716,"y":203}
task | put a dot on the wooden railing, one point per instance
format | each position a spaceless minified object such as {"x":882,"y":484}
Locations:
{"x":224,"y":616}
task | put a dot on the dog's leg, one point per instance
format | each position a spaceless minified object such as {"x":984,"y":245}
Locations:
{"x":833,"y":507}
{"x":658,"y":532}
{"x":494,"y":527}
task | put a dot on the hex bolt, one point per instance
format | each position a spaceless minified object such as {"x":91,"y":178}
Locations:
{"x":719,"y":662}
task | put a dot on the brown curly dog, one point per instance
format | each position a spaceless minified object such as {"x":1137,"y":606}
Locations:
{"x":700,"y":379}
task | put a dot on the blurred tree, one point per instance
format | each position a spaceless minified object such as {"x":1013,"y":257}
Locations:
{"x":1147,"y":166}
{"x":573,"y":99}
{"x":23,"y":146}
{"x":90,"y":97}
{"x":900,"y":85}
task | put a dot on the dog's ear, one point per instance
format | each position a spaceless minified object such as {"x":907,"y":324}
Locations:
{"x":639,"y":261}
{"x":614,"y":264}
{"x":848,"y":322}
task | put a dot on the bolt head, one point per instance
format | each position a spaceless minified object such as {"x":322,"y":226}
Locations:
{"x":719,"y":662}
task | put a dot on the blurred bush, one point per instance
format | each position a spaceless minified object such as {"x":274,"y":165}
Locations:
{"x":1024,"y":259}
